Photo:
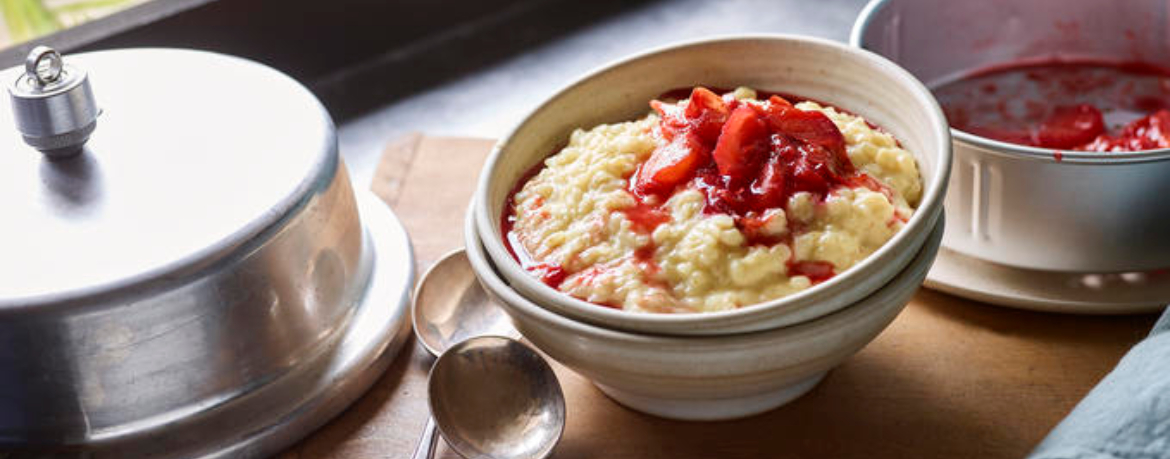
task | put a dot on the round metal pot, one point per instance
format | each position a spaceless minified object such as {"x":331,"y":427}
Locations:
{"x":1031,"y":207}
{"x":196,"y":280}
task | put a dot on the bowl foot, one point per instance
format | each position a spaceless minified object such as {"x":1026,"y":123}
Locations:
{"x":712,"y":409}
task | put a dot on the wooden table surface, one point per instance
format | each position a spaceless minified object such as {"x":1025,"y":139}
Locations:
{"x":949,"y":378}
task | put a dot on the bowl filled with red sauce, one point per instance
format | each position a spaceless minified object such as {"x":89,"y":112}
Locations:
{"x":1060,"y":114}
{"x":723,"y":186}
{"x":1064,"y":105}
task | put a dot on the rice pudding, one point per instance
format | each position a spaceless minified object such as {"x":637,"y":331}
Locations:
{"x":711,"y":203}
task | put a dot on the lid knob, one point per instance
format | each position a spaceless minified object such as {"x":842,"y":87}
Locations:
{"x":53,"y":104}
{"x":44,"y":64}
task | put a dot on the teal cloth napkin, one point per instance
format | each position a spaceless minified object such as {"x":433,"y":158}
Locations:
{"x":1127,"y":416}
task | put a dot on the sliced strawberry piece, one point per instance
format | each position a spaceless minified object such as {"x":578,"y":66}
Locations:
{"x":1069,"y":127}
{"x":721,"y":199}
{"x":702,"y":101}
{"x":706,"y":112}
{"x":812,"y":127}
{"x":777,"y":101}
{"x":813,"y":168}
{"x":773,"y":107}
{"x":742,"y":145}
{"x":769,"y":190}
{"x":670,"y":165}
{"x":671,"y":119}
{"x":664,"y":109}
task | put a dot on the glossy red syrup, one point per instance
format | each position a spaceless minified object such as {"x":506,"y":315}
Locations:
{"x":745,"y":158}
{"x":816,"y":271}
{"x":644,"y":257}
{"x":1066,"y":105}
{"x":551,"y":274}
{"x":645,"y":218}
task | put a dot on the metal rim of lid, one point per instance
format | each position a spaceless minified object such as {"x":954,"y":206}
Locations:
{"x":324,"y":385}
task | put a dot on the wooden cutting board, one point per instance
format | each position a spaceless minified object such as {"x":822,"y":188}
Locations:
{"x":949,"y":378}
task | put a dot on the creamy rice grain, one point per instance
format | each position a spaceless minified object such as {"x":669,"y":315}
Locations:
{"x":572,"y":214}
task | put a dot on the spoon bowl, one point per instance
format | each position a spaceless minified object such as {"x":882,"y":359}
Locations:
{"x":494,"y":397}
{"x":450,"y":306}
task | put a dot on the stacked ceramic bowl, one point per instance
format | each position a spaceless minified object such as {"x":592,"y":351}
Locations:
{"x":735,"y":363}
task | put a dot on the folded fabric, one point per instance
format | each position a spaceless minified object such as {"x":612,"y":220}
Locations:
{"x":1127,"y":416}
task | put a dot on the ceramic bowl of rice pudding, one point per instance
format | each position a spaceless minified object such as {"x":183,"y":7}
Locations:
{"x":724,"y":186}
{"x":711,"y":377}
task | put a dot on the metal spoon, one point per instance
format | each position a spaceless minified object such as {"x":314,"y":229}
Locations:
{"x":494,"y":397}
{"x":448,"y":307}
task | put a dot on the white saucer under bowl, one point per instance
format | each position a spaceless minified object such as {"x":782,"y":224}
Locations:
{"x":1076,"y":293}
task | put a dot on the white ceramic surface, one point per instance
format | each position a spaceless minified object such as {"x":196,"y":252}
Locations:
{"x":1049,"y":291}
{"x":849,"y":78}
{"x":705,"y":377}
{"x":1034,"y":208}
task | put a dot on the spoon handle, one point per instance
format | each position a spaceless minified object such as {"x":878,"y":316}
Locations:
{"x":426,"y":444}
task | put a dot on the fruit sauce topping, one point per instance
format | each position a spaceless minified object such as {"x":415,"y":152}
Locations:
{"x":1064,"y":105}
{"x":747,"y":158}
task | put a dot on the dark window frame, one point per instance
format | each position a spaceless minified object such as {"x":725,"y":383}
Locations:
{"x":73,"y":38}
{"x":354,"y":54}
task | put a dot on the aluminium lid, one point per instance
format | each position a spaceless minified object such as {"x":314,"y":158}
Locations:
{"x":196,"y":156}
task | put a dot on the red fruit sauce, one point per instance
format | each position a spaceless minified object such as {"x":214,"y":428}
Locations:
{"x":816,"y":271}
{"x":744,"y":158}
{"x":1064,"y":105}
{"x":644,"y":218}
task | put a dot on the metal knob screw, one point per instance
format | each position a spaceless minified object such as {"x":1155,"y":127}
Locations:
{"x":44,"y":65}
{"x":53,"y":104}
